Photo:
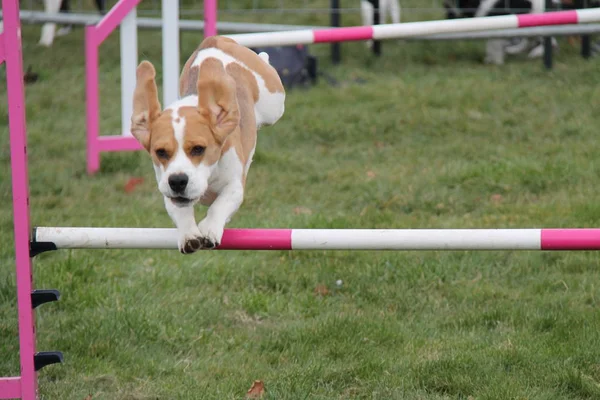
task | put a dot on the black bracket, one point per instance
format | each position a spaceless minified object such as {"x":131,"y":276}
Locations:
{"x":41,"y":296}
{"x":43,"y":358}
{"x":36,"y":248}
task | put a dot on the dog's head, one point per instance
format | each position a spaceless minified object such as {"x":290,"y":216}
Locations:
{"x":185,"y":139}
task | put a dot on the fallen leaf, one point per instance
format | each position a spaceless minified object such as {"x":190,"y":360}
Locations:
{"x":88,"y":397}
{"x":321,"y":290}
{"x":256,"y":391}
{"x":379,"y":145}
{"x":132,"y":183}
{"x":371,"y":174}
{"x":496,"y":198}
{"x":302,"y":210}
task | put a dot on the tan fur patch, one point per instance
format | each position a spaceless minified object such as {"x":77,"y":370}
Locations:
{"x":189,"y":76}
{"x":246,"y":95}
{"x":162,"y":136}
{"x":248,"y":57}
{"x":198,"y":133}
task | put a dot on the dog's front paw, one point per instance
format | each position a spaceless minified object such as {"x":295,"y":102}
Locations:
{"x":190,"y":242}
{"x":210,"y":233}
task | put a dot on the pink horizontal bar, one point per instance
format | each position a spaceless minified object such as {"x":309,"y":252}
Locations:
{"x":550,"y":18}
{"x":118,"y":143}
{"x":10,"y":388}
{"x":570,"y":239}
{"x":113,"y":18}
{"x":2,"y":56}
{"x":343,"y":34}
{"x":257,"y":239}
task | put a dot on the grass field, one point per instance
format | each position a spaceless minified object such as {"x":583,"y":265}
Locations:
{"x":433,"y":138}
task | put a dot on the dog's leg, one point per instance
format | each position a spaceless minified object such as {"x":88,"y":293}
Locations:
{"x":219,"y":213}
{"x":101,"y":6}
{"x":189,"y":236}
{"x":383,"y":10}
{"x":366,"y":10}
{"x":49,"y":29}
{"x":65,"y":8}
{"x":395,"y":11}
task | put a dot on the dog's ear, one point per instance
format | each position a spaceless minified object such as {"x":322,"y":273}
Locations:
{"x":217,"y":101}
{"x":146,"y":107}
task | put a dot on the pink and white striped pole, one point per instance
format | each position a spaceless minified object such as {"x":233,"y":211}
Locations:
{"x":330,"y":239}
{"x":413,"y":29}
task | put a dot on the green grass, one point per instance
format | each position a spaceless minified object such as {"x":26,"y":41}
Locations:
{"x":434,"y":138}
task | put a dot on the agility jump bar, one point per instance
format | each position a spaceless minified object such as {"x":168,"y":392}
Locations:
{"x":325,"y":239}
{"x":415,"y":29}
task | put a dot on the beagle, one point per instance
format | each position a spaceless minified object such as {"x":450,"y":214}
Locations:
{"x":202,"y":145}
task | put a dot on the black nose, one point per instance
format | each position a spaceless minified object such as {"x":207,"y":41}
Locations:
{"x":178,"y":182}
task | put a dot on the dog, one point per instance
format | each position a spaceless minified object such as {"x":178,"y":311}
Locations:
{"x":496,"y":49}
{"x":202,"y":145}
{"x":64,"y":6}
{"x":386,"y":7}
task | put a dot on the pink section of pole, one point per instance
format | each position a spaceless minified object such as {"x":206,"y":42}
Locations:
{"x":10,"y":388}
{"x":118,"y":143}
{"x":92,"y":109}
{"x":113,"y":18}
{"x":210,"y":18}
{"x":551,"y":18}
{"x":343,"y":34}
{"x":257,"y":239}
{"x":570,"y":239}
{"x":20,"y":189}
{"x":1,"y":48}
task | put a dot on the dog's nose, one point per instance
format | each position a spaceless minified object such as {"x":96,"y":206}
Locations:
{"x":178,"y":182}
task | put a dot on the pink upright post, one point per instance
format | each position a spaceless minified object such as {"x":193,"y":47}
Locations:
{"x":92,"y":110}
{"x":25,"y":387}
{"x":1,"y":48}
{"x":210,"y":18}
{"x":94,"y":36}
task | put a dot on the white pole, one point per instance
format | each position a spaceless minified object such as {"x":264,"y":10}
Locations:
{"x":301,"y":239}
{"x":128,"y":38}
{"x":170,"y":48}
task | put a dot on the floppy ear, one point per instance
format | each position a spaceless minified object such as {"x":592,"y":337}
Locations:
{"x":146,"y":107}
{"x":217,"y":101}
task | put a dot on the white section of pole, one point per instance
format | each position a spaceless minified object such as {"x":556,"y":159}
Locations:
{"x":170,"y":51}
{"x":128,"y":38}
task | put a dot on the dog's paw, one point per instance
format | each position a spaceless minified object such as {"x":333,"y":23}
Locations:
{"x":190,"y":242}
{"x":210,"y":234}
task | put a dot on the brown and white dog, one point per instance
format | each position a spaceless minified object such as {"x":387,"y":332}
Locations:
{"x":202,"y":145}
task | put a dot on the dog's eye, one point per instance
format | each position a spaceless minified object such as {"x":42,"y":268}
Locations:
{"x":197,"y":150}
{"x":162,"y":153}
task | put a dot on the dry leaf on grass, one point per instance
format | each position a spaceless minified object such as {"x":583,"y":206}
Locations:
{"x":371,"y":174}
{"x":302,"y":210}
{"x":132,"y":183}
{"x":256,"y":391}
{"x":496,"y":198}
{"x":88,"y":397}
{"x":321,"y":290}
